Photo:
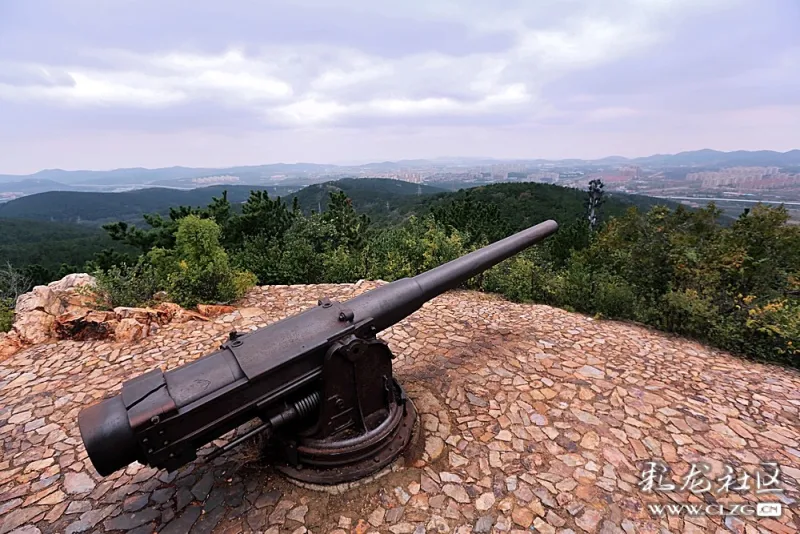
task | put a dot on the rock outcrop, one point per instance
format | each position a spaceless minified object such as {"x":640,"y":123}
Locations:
{"x":67,"y":309}
{"x":36,"y":311}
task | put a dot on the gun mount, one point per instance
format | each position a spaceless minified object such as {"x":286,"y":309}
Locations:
{"x":320,"y":382}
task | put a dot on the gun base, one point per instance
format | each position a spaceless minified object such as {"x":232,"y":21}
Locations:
{"x":336,"y":461}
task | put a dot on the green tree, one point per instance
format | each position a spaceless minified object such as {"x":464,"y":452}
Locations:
{"x":198,"y":269}
{"x":349,"y":227}
{"x":262,"y":218}
{"x":480,"y":220}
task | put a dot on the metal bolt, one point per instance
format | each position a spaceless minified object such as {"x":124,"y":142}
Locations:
{"x":155,"y":419}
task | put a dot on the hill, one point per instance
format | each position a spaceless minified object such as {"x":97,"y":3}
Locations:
{"x":129,"y":206}
{"x":521,"y":204}
{"x":716,"y":158}
{"x":380,"y":198}
{"x":33,"y":185}
{"x":386,"y":201}
{"x":49,"y":244}
{"x":141,"y":176}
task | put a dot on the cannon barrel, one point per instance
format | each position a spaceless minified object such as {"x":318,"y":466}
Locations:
{"x":393,"y":302}
{"x":280,"y":374}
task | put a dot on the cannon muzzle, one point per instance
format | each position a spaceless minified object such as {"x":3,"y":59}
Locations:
{"x":393,"y":302}
{"x":108,"y":436}
{"x":320,"y":382}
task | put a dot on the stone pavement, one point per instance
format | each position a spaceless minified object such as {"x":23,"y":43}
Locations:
{"x":533,"y":419}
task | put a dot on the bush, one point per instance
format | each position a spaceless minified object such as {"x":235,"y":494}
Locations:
{"x":572,"y":288}
{"x":123,"y":285}
{"x":775,"y":330}
{"x":686,"y":312}
{"x":198,"y":270}
{"x":6,"y":314}
{"x":512,"y":278}
{"x":261,"y":258}
{"x":343,"y":266}
{"x":614,"y":297}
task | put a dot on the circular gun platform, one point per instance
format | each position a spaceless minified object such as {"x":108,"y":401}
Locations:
{"x":328,"y":462}
{"x":529,"y":418}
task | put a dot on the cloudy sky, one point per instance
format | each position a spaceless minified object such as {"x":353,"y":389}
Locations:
{"x":98,"y":84}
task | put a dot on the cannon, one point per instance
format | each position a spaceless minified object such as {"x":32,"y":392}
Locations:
{"x":319,"y":384}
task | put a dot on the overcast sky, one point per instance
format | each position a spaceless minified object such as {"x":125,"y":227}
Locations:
{"x":99,"y":84}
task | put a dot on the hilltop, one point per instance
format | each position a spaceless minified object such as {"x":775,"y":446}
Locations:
{"x":384,"y":200}
{"x":531,"y":418}
{"x":379,"y":198}
{"x":129,"y":206}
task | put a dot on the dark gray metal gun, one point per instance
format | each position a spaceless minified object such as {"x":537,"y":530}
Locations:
{"x":320,"y":382}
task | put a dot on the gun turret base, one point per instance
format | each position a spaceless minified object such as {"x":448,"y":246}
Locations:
{"x":336,"y":461}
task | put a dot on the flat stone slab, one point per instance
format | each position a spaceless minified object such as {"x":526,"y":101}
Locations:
{"x":532,"y":419}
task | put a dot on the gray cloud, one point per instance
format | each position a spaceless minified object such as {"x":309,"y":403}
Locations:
{"x":422,"y":78}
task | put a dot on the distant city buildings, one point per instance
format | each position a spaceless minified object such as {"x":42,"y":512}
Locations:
{"x":745,"y":178}
{"x":215,"y":180}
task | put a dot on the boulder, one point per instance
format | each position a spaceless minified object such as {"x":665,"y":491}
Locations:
{"x":129,"y":330}
{"x":65,"y":309}
{"x":36,"y":312}
{"x":174,"y":313}
{"x":214,"y":310}
{"x":39,"y":298}
{"x":35,"y":326}
{"x":72,"y":282}
{"x":142,"y":315}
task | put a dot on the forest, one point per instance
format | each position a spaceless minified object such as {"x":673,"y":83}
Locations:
{"x":732,"y":283}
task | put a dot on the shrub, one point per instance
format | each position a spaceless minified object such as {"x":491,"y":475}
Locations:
{"x":262,"y":259}
{"x":774,"y":329}
{"x":572,"y":288}
{"x":199,"y":270}
{"x":686,"y":312}
{"x":342,"y":266}
{"x":6,"y":314}
{"x":123,"y":285}
{"x":613,"y":297}
{"x":512,"y":279}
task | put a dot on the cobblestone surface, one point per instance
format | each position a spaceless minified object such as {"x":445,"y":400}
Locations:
{"x":532,"y":419}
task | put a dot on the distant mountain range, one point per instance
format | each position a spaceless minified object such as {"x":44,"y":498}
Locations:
{"x":129,"y":206}
{"x":301,"y":174}
{"x":94,"y":209}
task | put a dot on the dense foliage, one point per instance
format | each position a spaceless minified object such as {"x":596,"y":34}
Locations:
{"x":195,"y":270}
{"x":735,"y":284}
{"x":51,"y":244}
